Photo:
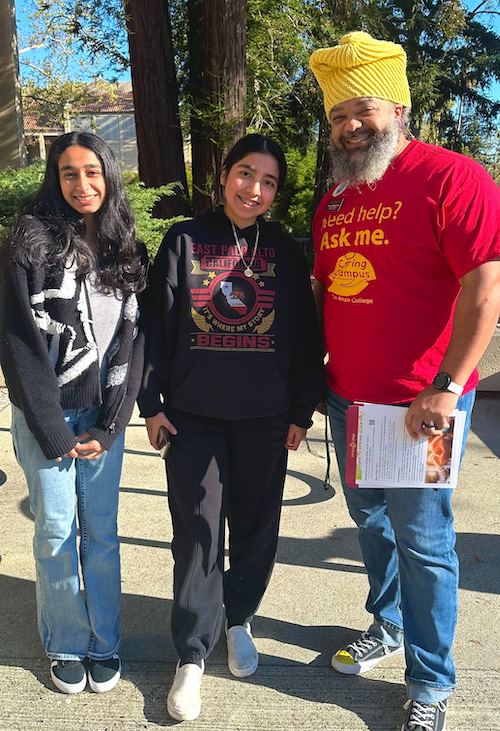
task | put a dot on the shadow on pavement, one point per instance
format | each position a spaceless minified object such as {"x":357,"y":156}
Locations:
{"x":478,"y":554}
{"x":316,"y":494}
{"x":484,"y":417}
{"x":146,"y":640}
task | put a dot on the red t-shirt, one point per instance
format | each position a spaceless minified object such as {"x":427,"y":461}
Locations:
{"x":390,"y":260}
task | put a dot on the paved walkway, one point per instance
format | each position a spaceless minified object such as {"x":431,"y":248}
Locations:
{"x":313,"y":606}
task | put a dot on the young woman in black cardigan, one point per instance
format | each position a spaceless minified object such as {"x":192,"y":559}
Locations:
{"x":72,"y":355}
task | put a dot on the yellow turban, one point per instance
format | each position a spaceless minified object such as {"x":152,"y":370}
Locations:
{"x":361,"y":66}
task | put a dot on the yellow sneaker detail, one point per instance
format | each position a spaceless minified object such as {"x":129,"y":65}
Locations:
{"x":344,"y":657}
{"x":363,"y":655}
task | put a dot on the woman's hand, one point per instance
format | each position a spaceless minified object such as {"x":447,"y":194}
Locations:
{"x":85,"y":448}
{"x":294,"y":437}
{"x":72,"y":454}
{"x":153,"y":424}
{"x":88,"y":448}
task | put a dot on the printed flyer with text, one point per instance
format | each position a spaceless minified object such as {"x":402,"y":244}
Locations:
{"x":381,"y":453}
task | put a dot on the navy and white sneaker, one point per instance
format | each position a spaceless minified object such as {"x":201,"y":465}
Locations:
{"x":424,"y":716}
{"x":69,"y":676}
{"x":104,"y":674}
{"x":363,"y":655}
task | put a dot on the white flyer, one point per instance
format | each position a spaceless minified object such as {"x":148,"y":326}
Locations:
{"x":381,"y":453}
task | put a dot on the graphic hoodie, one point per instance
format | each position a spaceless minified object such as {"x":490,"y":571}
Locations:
{"x":225,"y":345}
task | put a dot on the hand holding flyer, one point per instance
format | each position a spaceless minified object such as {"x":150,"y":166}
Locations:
{"x":381,"y":453}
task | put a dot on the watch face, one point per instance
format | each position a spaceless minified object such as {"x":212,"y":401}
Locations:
{"x":442,"y":381}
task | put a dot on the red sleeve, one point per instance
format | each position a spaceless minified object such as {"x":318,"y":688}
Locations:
{"x":469,"y":225}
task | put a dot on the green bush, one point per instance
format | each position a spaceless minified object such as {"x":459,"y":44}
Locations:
{"x":300,"y":184}
{"x":293,"y":206}
{"x":17,"y":185}
{"x":142,"y":200}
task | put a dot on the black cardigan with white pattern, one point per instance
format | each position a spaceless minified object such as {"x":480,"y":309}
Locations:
{"x":49,"y":354}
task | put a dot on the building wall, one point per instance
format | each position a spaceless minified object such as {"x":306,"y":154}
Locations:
{"x":12,"y":153}
{"x":118,"y":130}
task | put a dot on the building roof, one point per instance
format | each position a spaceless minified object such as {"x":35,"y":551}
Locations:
{"x":118,"y":101}
{"x":34,"y":123}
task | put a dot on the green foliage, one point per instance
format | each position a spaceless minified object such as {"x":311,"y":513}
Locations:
{"x":295,"y":200}
{"x":276,"y":57}
{"x":18,"y":185}
{"x":142,"y":201}
{"x":15,"y":187}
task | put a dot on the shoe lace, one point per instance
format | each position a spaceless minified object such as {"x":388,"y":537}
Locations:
{"x":364,"y":644}
{"x":423,"y":715}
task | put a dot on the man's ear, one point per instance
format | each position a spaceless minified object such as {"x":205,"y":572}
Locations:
{"x":398,"y":111}
{"x":223,"y":177}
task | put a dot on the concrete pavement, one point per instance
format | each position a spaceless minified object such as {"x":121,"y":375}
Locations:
{"x":315,"y":603}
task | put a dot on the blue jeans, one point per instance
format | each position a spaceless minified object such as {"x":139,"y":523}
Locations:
{"x":407,"y":541}
{"x":72,"y":624}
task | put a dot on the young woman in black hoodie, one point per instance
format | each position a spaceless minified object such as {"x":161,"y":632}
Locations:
{"x":72,"y":355}
{"x":233,"y":373}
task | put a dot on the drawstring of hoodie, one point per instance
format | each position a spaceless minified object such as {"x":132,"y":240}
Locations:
{"x":327,"y":485}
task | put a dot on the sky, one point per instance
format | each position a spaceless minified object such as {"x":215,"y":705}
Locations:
{"x":36,"y":56}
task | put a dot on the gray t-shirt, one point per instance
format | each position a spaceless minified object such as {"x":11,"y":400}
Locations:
{"x":106,"y":313}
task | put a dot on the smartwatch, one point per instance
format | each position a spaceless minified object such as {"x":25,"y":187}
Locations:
{"x":442,"y":382}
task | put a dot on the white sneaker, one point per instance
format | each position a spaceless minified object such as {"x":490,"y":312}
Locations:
{"x":242,"y":655}
{"x":184,"y":697}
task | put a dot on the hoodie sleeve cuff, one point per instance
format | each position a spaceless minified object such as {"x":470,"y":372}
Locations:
{"x":149,"y":405}
{"x":301,"y":416}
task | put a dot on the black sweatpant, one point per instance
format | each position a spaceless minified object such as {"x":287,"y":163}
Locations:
{"x":219,"y":469}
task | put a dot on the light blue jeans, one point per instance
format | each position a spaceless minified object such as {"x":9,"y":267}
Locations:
{"x":74,"y":624}
{"x":407,"y":540}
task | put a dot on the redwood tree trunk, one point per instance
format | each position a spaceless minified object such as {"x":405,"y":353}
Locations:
{"x":197,"y":102}
{"x":218,"y":88}
{"x":159,"y":136}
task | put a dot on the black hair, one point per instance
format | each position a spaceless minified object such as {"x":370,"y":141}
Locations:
{"x":256,"y":143}
{"x":116,"y":260}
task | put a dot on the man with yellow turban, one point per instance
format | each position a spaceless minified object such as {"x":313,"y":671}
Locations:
{"x":407,"y":283}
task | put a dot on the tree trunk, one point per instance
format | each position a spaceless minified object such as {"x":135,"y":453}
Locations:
{"x":197,"y":102}
{"x":218,"y":89}
{"x":234,"y":86}
{"x":322,"y":162}
{"x":159,"y":136}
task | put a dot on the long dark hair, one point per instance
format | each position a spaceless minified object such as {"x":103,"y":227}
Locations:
{"x":116,"y":259}
{"x":256,"y":143}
